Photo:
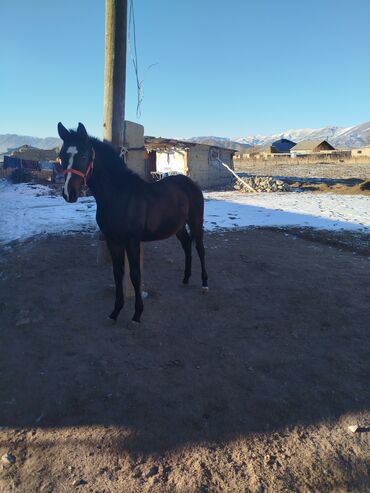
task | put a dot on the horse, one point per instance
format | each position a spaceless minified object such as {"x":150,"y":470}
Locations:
{"x":131,"y":210}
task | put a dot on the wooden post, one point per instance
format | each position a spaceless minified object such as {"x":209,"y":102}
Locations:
{"x":115,"y":86}
{"x":250,"y":188}
{"x":115,"y":71}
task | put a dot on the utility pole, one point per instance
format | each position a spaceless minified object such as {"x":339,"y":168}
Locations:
{"x":114,"y":95}
{"x":115,"y":91}
{"x":115,"y":72}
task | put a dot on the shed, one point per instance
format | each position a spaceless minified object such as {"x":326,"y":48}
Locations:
{"x":15,"y":162}
{"x":282,"y":146}
{"x":201,"y":162}
{"x":311,"y":146}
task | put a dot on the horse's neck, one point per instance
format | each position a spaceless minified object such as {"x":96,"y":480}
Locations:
{"x":108,"y":176}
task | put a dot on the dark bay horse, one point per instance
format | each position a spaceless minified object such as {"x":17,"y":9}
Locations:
{"x":130,"y":210}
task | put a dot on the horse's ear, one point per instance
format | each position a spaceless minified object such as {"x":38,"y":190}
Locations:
{"x":81,"y":131}
{"x":62,"y":131}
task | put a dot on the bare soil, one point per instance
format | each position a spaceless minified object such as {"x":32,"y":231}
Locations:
{"x":339,"y":178}
{"x":346,"y":188}
{"x":306,"y":170}
{"x":249,"y":389}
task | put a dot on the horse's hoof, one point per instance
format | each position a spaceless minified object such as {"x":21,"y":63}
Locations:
{"x":136,"y":317}
{"x":132,"y":325}
{"x":109,"y":321}
{"x":205,"y":289}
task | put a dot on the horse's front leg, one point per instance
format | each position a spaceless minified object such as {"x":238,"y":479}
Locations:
{"x":118,"y":260}
{"x":133,"y":256}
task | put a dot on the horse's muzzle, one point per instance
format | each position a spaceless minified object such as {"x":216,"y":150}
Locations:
{"x":72,"y":196}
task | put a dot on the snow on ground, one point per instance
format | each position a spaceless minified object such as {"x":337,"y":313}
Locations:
{"x":323,"y":211}
{"x":29,"y":210}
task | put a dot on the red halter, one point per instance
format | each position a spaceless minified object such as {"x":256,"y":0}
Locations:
{"x":89,"y":169}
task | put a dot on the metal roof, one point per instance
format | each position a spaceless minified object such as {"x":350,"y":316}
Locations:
{"x":309,"y":145}
{"x":282,"y":145}
{"x":161,"y":143}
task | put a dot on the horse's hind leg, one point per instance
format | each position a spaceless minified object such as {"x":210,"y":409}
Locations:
{"x":201,"y":252}
{"x":185,"y":241}
{"x":133,"y":256}
{"x":118,"y":254}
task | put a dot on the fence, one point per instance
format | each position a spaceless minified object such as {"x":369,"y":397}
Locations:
{"x":333,"y":157}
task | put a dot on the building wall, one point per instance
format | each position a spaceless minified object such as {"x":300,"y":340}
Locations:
{"x":209,"y":174}
{"x":335,"y":157}
{"x":134,"y":141}
{"x":35,"y":154}
{"x":362,"y":152}
{"x":171,"y":161}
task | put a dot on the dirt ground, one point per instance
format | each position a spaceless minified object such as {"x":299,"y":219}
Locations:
{"x":338,"y":178}
{"x":248,"y":389}
{"x":306,"y":170}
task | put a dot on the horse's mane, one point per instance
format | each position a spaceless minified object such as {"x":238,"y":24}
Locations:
{"x":123,"y":176}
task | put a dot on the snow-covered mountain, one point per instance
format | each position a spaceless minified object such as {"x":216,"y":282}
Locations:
{"x":11,"y":141}
{"x":221,"y":142}
{"x":356,"y":136}
{"x":339,"y":137}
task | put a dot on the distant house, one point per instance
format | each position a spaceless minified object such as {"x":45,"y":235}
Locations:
{"x":282,"y":146}
{"x":16,"y":162}
{"x":253,"y":152}
{"x":310,"y":147}
{"x":201,"y":162}
{"x":35,"y":154}
{"x":31,"y":158}
{"x":361,"y":152}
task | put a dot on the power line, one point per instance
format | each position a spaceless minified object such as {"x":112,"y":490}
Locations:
{"x":133,"y":54}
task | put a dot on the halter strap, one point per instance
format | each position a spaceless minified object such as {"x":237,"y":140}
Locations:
{"x":89,"y":169}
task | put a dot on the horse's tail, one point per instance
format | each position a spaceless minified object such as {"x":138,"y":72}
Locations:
{"x":196,"y":208}
{"x":196,"y":212}
{"x":195,"y":204}
{"x":196,"y":219}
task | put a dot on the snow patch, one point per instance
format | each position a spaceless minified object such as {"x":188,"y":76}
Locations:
{"x":323,"y":211}
{"x":29,"y":210}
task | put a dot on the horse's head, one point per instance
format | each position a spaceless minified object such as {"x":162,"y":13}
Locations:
{"x":77,"y":158}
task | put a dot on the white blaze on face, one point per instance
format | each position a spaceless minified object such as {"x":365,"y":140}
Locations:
{"x":71,"y":151}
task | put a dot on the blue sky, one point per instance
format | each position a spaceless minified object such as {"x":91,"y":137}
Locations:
{"x":225,"y":68}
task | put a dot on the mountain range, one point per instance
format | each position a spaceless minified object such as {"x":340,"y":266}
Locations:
{"x":12,"y":141}
{"x":339,"y":137}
